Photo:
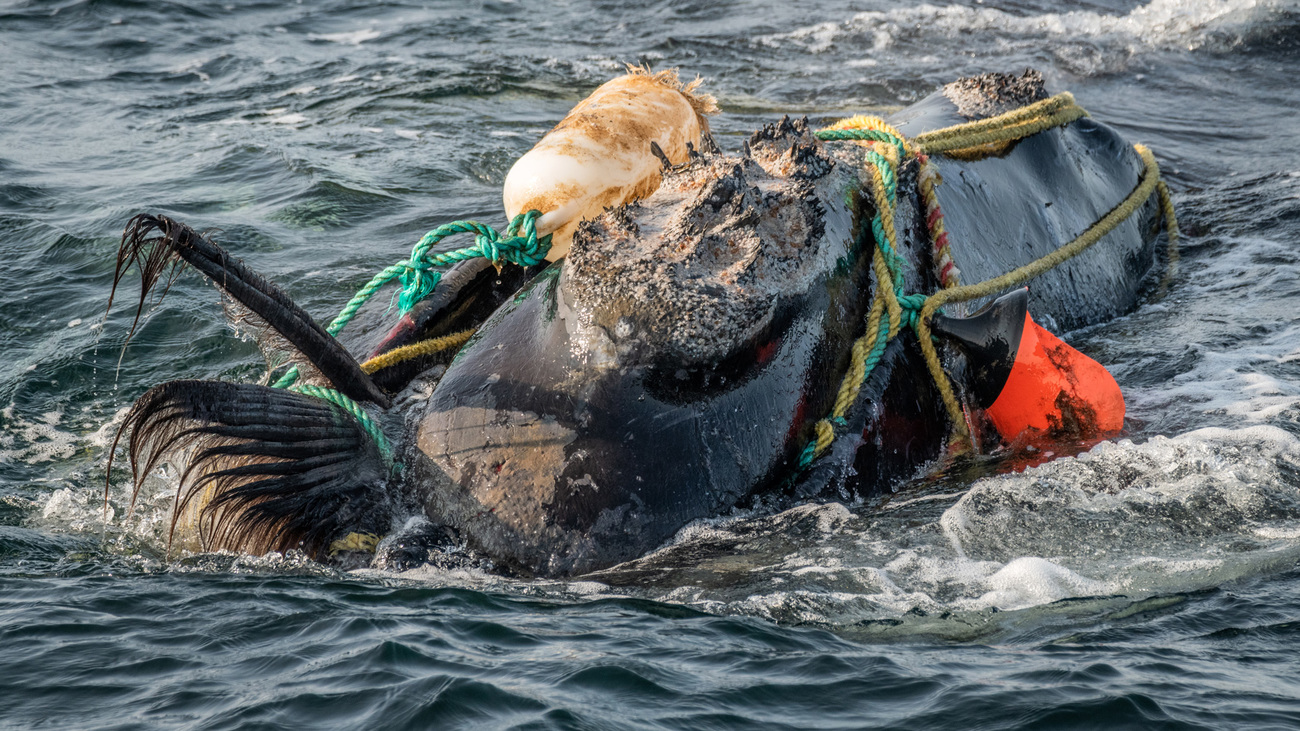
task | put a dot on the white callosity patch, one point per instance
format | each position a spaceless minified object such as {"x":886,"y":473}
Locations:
{"x":1227,"y":330}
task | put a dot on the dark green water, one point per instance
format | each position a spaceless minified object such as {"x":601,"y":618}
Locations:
{"x":1151,"y":583}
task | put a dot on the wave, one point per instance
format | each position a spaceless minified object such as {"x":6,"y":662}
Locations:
{"x":1159,"y":24}
{"x":1121,"y":523}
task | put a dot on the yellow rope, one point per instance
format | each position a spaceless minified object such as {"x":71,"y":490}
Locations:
{"x":883,"y":274}
{"x":424,"y":347}
{"x":1014,"y":125}
{"x":961,"y":139}
{"x":852,"y":382}
{"x":1146,"y":186}
{"x":1171,"y":225}
{"x":864,"y":122}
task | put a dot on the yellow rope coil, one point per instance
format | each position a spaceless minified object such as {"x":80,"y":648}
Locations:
{"x":422,"y":348}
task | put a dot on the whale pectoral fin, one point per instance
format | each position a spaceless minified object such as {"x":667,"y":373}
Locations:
{"x":261,"y":469}
{"x":158,"y":245}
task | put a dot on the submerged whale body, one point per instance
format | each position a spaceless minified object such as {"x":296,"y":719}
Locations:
{"x":670,"y":368}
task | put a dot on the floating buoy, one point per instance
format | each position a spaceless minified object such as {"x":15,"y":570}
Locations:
{"x":600,"y":155}
{"x":1027,"y":380}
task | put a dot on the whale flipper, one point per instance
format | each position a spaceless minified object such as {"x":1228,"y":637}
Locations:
{"x":990,"y":339}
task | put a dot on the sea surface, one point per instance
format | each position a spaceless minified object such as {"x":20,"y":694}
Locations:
{"x":1151,"y":582}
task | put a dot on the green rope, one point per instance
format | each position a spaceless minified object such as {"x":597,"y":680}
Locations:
{"x":869,"y":135}
{"x":914,"y":310}
{"x":419,"y":275}
{"x":878,"y":319}
{"x":352,"y":407}
{"x":878,"y":333}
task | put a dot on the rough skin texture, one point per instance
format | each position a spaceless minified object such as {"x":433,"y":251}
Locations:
{"x":700,"y":266}
{"x":988,"y":95}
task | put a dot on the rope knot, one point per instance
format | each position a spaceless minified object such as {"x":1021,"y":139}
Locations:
{"x":520,"y":245}
{"x":488,"y":247}
{"x":911,"y":305}
{"x":418,"y":281}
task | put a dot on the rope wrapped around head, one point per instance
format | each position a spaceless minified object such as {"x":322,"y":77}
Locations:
{"x":419,"y":276}
{"x":892,"y":309}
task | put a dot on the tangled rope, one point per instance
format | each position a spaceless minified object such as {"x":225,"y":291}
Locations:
{"x":419,"y":276}
{"x":891,"y":308}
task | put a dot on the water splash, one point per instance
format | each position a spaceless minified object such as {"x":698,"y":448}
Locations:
{"x":1124,"y":520}
{"x":1084,"y":41}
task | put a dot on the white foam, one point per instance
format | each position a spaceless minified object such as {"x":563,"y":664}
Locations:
{"x":1122,"y":520}
{"x":36,"y":442}
{"x":1159,"y":23}
{"x":193,"y":67}
{"x":1029,"y":581}
{"x":351,"y":38}
{"x":1230,"y":320}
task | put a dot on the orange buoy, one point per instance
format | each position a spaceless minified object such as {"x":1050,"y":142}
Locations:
{"x":1027,"y":380}
{"x":1056,"y":390}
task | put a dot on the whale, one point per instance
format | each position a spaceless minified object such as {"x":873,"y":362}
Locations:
{"x":670,"y":367}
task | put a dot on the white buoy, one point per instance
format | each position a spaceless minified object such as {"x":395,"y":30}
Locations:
{"x":599,"y":155}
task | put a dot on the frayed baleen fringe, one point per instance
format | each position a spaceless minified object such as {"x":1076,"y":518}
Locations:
{"x":261,"y":469}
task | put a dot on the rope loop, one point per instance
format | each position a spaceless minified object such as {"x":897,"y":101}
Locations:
{"x":520,"y":245}
{"x":892,"y":309}
{"x":346,"y":404}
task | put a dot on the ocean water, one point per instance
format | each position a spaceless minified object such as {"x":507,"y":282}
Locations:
{"x":1150,"y":582}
